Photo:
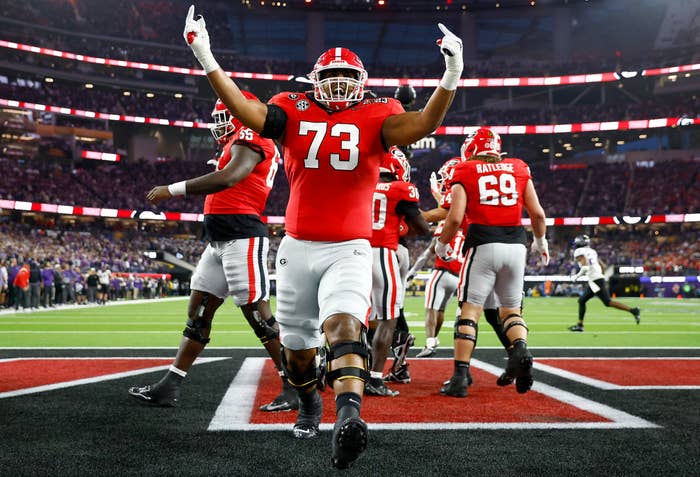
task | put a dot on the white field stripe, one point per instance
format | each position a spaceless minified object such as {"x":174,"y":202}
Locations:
{"x":235,"y":409}
{"x":597,"y":383}
{"x":623,"y":358}
{"x":680,"y":332}
{"x":675,"y":348}
{"x":240,"y":332}
{"x":95,"y":379}
{"x":111,"y":332}
{"x":12,"y":312}
{"x":535,"y":324}
{"x":237,"y":404}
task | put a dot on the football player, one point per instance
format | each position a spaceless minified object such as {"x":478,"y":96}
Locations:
{"x":395,"y":199}
{"x":590,"y":267}
{"x":235,"y":260}
{"x":333,"y":139}
{"x":444,"y":279}
{"x":491,"y":192}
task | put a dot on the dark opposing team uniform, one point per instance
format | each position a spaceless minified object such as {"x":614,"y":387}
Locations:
{"x":332,"y":161}
{"x":495,"y":250}
{"x":235,"y":260}
{"x":392,"y":201}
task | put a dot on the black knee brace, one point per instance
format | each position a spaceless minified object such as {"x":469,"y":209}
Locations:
{"x":263,"y":329}
{"x":492,"y":317}
{"x":514,"y":323}
{"x":347,"y":372}
{"x":195,"y":325}
{"x":464,"y":336}
{"x":301,"y":381}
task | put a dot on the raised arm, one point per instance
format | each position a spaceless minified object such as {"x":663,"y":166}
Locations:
{"x":250,"y":112}
{"x":407,"y":128}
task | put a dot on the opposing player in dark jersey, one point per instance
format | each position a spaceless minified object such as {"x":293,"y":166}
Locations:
{"x":490,"y":192}
{"x":395,"y":199}
{"x":589,"y":266}
{"x":235,"y":260}
{"x":333,"y":141}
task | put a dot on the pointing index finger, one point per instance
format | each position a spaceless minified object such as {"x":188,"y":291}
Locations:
{"x":190,"y":14}
{"x":445,"y":31}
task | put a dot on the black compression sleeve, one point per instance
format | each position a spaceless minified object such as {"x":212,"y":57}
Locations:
{"x":275,"y":122}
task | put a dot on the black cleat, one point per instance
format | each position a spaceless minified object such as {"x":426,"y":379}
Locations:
{"x":349,"y":442}
{"x":309,"y":418}
{"x":504,"y":380}
{"x":402,"y":376}
{"x":520,"y":367}
{"x":400,"y":348}
{"x":155,"y":397}
{"x":376,"y":387}
{"x":578,"y":328}
{"x":636,"y":312}
{"x":455,"y":387}
{"x":288,"y":400}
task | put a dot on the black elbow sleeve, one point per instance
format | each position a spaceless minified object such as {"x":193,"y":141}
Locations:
{"x":275,"y":122}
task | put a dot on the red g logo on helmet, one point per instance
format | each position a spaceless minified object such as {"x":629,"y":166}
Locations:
{"x":395,"y":163}
{"x":339,"y":78}
{"x":481,"y":142}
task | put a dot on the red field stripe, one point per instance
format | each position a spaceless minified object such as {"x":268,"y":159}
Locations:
{"x":421,"y":402}
{"x":633,"y":372}
{"x":29,"y":373}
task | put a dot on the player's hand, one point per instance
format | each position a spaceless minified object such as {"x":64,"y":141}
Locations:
{"x":158,"y":194}
{"x":541,"y":248}
{"x":451,"y":48}
{"x":409,"y":278}
{"x":444,"y":251}
{"x":197,"y":38}
{"x":434,"y":186}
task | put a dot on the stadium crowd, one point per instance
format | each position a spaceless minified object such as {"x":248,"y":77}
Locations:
{"x":601,"y":189}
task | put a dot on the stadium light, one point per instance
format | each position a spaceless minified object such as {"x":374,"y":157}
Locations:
{"x":48,"y":79}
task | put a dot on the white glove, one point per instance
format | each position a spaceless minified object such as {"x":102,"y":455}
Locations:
{"x":434,"y":186}
{"x":541,"y":248}
{"x":444,"y":251}
{"x":197,"y":37}
{"x":451,"y":48}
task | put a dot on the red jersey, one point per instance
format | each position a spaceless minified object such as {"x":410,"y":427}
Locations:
{"x":445,"y":203}
{"x":249,"y":195}
{"x":22,"y":278}
{"x":332,"y":164}
{"x":494,"y":190}
{"x":453,"y":266}
{"x":386,"y":211}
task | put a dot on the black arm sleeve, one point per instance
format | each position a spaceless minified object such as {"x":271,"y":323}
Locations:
{"x":275,"y":122}
{"x":407,"y":209}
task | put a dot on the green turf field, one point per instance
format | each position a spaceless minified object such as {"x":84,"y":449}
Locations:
{"x":159,"y":323}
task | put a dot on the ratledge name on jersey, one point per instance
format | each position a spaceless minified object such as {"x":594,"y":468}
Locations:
{"x":489,"y":167}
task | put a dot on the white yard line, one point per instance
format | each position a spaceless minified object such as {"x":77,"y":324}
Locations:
{"x":233,"y":414}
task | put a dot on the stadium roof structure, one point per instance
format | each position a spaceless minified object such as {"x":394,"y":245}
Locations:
{"x":406,"y":5}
